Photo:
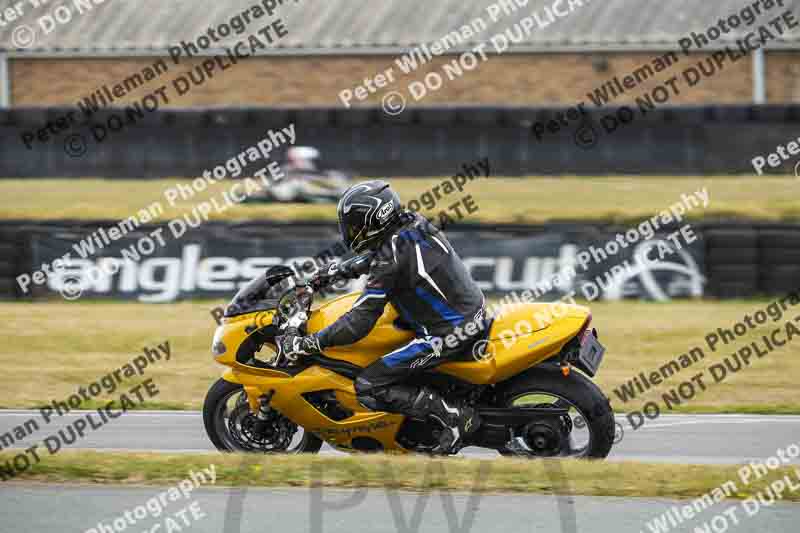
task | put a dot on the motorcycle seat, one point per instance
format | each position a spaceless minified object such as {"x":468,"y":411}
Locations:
{"x":465,"y":353}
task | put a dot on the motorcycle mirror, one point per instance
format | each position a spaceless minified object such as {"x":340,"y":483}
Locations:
{"x":276,"y":273}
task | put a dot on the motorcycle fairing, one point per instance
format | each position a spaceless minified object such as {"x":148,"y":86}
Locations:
{"x":519,"y":339}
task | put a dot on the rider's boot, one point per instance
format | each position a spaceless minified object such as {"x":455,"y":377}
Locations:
{"x":459,"y":421}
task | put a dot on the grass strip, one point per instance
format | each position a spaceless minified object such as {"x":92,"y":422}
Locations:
{"x":77,"y":349}
{"x":414,"y":473}
{"x":535,"y":199}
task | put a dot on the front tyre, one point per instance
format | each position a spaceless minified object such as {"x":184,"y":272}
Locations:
{"x":587,"y":431}
{"x":233,"y":428}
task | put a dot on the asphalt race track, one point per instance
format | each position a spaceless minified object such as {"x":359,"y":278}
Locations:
{"x":77,"y":509}
{"x":710,"y":439}
{"x":690,"y":439}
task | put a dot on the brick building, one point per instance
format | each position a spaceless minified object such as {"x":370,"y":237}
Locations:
{"x":545,"y":52}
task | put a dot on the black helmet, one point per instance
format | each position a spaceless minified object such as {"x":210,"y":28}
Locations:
{"x":367,"y":212}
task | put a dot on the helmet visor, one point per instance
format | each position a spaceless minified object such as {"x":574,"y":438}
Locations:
{"x":350,"y":231}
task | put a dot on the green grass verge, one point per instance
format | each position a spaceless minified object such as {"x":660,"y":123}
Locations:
{"x":55,"y":347}
{"x":95,"y":404}
{"x":596,"y":478}
{"x":509,"y":200}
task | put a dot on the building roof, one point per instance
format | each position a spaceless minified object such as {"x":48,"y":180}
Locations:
{"x":149,"y":27}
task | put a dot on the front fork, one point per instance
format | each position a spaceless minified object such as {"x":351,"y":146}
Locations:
{"x":258,"y":402}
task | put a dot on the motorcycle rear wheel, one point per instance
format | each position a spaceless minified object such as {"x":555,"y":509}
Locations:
{"x":225,"y":400}
{"x":589,"y":410}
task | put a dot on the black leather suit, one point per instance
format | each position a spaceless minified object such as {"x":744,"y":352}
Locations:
{"x":417,"y":270}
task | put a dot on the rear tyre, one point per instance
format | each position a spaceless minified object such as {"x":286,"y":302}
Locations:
{"x":233,"y":428}
{"x":589,"y":413}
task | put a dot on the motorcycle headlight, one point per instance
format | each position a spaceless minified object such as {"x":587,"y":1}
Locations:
{"x":217,"y":346}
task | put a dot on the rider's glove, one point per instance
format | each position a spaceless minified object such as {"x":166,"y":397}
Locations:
{"x":294,"y":346}
{"x":326,"y":275}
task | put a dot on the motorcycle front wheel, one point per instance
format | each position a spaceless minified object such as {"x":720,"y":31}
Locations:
{"x":233,"y":428}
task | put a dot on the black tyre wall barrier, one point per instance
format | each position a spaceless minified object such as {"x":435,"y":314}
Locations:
{"x":421,"y":141}
{"x":732,"y":266}
{"x":11,"y":262}
{"x":739,"y":259}
{"x":779,"y":260}
{"x":743,"y":261}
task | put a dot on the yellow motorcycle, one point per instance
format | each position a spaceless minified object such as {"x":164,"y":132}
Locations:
{"x":528,"y":377}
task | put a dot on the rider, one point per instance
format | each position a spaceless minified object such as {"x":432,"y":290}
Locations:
{"x":416,"y":269}
{"x":302,"y":159}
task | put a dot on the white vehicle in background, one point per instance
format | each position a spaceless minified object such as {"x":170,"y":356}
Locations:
{"x":304,"y":181}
